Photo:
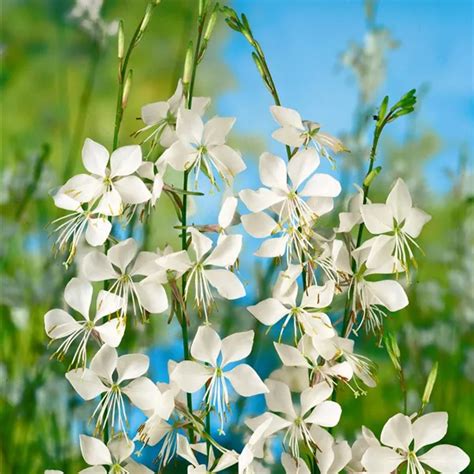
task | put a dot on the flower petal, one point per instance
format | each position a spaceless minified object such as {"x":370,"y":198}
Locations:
{"x":200,"y":243}
{"x":97,"y":267}
{"x":399,"y":200}
{"x":216,"y":130}
{"x":107,"y":303}
{"x":446,"y":458}
{"x":290,"y":356}
{"x":286,"y":116}
{"x":388,"y":293}
{"x":105,"y":362}
{"x":121,"y":448}
{"x":302,"y":165}
{"x":268,"y":311}
{"x":378,"y":218}
{"x":327,"y":414}
{"x":315,"y":395}
{"x":258,"y":224}
{"x":236,"y":347}
{"x":429,"y":429}
{"x":86,"y":383}
{"x":111,"y":332}
{"x":397,"y":432}
{"x":322,"y":185}
{"x":152,"y":296}
{"x":381,"y":460}
{"x":415,"y":221}
{"x":82,"y":188}
{"x":227,"y":212}
{"x":246,"y":381}
{"x":226,"y":251}
{"x":78,"y":295}
{"x":95,"y":157}
{"x":94,"y":451}
{"x":279,"y":398}
{"x":226,"y":283}
{"x":132,"y":190}
{"x":273,"y":171}
{"x":98,"y":229}
{"x":275,"y":247}
{"x":155,"y":112}
{"x":189,"y":126}
{"x":318,"y":296}
{"x":180,"y":156}
{"x":261,"y":199}
{"x":58,"y":324}
{"x":289,"y":136}
{"x":131,"y":366}
{"x":125,"y":160}
{"x":142,"y":392}
{"x":110,"y":203}
{"x":228,"y":161}
{"x":206,"y":345}
{"x":123,"y":253}
{"x":191,"y":376}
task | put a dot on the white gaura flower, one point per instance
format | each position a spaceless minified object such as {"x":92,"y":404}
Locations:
{"x":398,"y":220}
{"x":123,"y":265}
{"x":203,"y":274}
{"x":351,"y":217}
{"x":152,"y":176}
{"x":403,"y":439}
{"x":95,"y":227}
{"x":61,"y":325}
{"x":365,"y":439}
{"x":331,"y":456}
{"x":116,"y":456}
{"x":160,"y":117}
{"x":206,"y":348}
{"x":296,"y":132}
{"x":306,"y":315}
{"x":185,"y":450}
{"x":89,"y":383}
{"x":296,"y":195}
{"x":314,"y":408}
{"x":202,"y":147}
{"x":370,"y":297}
{"x":106,"y":189}
{"x":253,"y":448}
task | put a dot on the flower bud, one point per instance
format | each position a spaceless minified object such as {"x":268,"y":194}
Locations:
{"x":121,"y":40}
{"x":430,"y":384}
{"x":210,"y":25}
{"x":147,"y":17}
{"x":188,"y":65}
{"x":126,"y":88}
{"x":393,"y":350}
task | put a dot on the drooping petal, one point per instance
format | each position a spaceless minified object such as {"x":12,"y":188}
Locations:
{"x":286,"y":116}
{"x":261,"y":199}
{"x":191,"y":376}
{"x":63,"y":201}
{"x":86,"y":383}
{"x":290,"y":356}
{"x":399,"y":200}
{"x":216,"y":130}
{"x":123,"y":253}
{"x":381,"y":460}
{"x":325,"y":414}
{"x":183,"y":449}
{"x":446,"y":458}
{"x":206,"y":345}
{"x":227,"y":212}
{"x":258,"y":224}
{"x":125,"y":160}
{"x":302,"y":165}
{"x":322,"y":185}
{"x":95,"y":157}
{"x":268,"y":311}
{"x":415,"y":221}
{"x":378,"y":218}
{"x":94,"y":451}
{"x":246,"y":381}
{"x":152,"y":296}
{"x":226,"y":251}
{"x":58,"y":324}
{"x":279,"y":398}
{"x":97,"y":267}
{"x":142,"y":392}
{"x":110,"y":203}
{"x":397,"y":432}
{"x":226,"y":283}
{"x":236,"y":347}
{"x":132,"y":190}
{"x":388,"y":293}
{"x":107,"y":303}
{"x":289,"y":136}
{"x":121,"y":448}
{"x":78,"y":295}
{"x":155,"y":112}
{"x":131,"y":366}
{"x":111,"y":332}
{"x":275,"y":247}
{"x":98,"y":229}
{"x":429,"y":429}
{"x":189,"y":127}
{"x":105,"y":362}
{"x":273,"y":171}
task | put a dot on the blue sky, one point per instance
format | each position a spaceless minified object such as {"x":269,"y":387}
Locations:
{"x":303,"y":40}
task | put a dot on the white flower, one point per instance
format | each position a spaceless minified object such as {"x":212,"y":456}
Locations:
{"x":202,"y":147}
{"x":294,"y":466}
{"x":98,"y":379}
{"x":331,"y":456}
{"x":185,"y":450}
{"x":71,"y":226}
{"x":398,"y":219}
{"x":88,"y":13}
{"x":116,"y":455}
{"x":161,"y":117}
{"x":296,"y":132}
{"x":202,"y":273}
{"x":295,"y":204}
{"x":109,"y":188}
{"x":364,"y":441}
{"x":306,"y":317}
{"x":253,"y":448}
{"x":147,"y":172}
{"x":352,"y":217}
{"x":371,"y":296}
{"x":61,"y":325}
{"x":405,"y":439}
{"x":123,"y":265}
{"x":315,"y":408}
{"x":206,"y":347}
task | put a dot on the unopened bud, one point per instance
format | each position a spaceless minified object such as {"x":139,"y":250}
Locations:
{"x":210,"y":25}
{"x":188,"y":65}
{"x":430,"y":384}
{"x":126,"y":88}
{"x":146,"y":17}
{"x":393,"y":350}
{"x":121,"y":40}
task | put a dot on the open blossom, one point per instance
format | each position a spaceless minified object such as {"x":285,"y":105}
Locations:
{"x":332,"y":455}
{"x":350,"y":218}
{"x":160,"y":117}
{"x":122,"y":265}
{"x":99,"y":379}
{"x":397,"y":220}
{"x":296,"y":196}
{"x":186,"y":451}
{"x":296,"y":132}
{"x":314,"y":408}
{"x":111,"y":183}
{"x":206,"y":348}
{"x":61,"y":325}
{"x":202,"y":147}
{"x":116,"y":456}
{"x":403,"y":439}
{"x":306,"y":314}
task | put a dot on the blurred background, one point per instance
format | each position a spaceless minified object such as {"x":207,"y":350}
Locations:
{"x":333,"y":61}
